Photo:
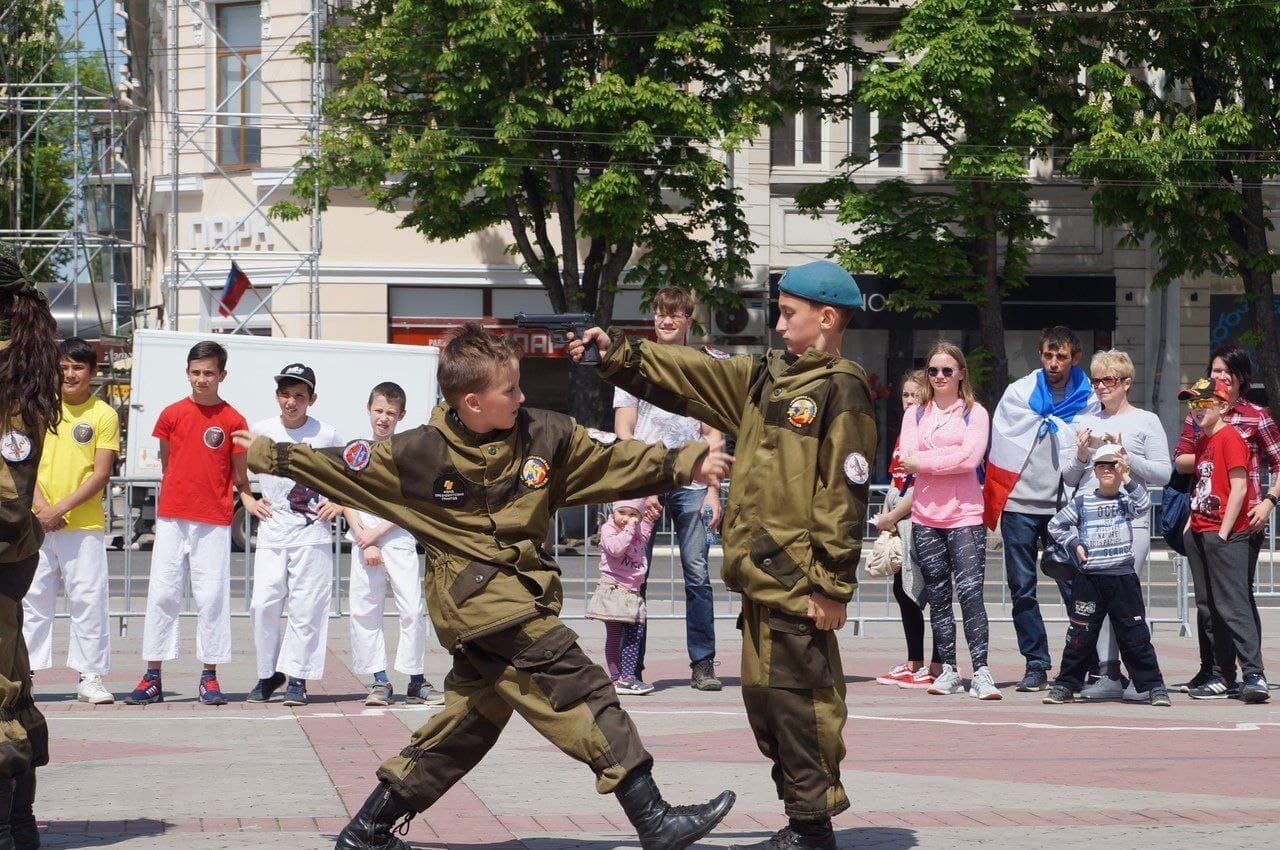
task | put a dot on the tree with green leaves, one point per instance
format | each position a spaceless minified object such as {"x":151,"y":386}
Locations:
{"x":970,"y":78}
{"x":1183,"y":147}
{"x":589,"y":131}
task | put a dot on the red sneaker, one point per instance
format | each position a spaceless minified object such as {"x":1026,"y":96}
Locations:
{"x":920,"y":680}
{"x":897,"y":676}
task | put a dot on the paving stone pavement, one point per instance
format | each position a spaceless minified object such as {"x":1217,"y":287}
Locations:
{"x":921,"y":771}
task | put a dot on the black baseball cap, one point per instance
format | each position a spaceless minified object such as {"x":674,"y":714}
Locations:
{"x":298,"y":372}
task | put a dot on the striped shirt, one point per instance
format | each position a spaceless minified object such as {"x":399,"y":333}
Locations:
{"x":1103,"y":525}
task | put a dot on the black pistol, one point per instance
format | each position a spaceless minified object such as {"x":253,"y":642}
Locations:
{"x":560,"y":324}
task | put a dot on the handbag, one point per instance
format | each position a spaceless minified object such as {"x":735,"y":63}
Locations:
{"x":886,"y":556}
{"x":613,"y":603}
{"x":1175,"y":510}
{"x":1055,"y":561}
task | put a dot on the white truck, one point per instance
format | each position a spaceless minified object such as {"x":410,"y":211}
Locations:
{"x":345,"y":373}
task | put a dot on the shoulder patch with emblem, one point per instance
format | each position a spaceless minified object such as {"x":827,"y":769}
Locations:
{"x":82,"y":433}
{"x":15,"y":446}
{"x":535,"y":473}
{"x":802,"y":411}
{"x":856,"y":468}
{"x":604,"y":438}
{"x":356,"y":454}
{"x":715,"y":352}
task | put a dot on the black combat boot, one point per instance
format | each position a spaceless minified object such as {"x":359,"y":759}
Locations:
{"x":662,"y":826}
{"x":373,"y":826}
{"x":6,"y":806}
{"x":22,"y":820}
{"x":798,"y":835}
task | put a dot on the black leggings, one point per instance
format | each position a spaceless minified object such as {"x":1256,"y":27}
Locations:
{"x":912,"y":623}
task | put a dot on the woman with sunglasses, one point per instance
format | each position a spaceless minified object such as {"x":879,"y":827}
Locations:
{"x":944,"y":439}
{"x":1147,"y":454}
{"x":908,"y":583}
{"x":1232,"y":366}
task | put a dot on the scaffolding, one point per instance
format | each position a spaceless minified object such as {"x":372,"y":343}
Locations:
{"x":83,"y":247}
{"x":285,"y":125}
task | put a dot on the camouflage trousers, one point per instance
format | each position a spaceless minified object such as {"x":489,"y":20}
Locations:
{"x":24,"y":737}
{"x":536,"y":670}
{"x":793,"y":688}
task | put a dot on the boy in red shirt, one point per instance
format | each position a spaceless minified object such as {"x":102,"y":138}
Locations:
{"x":1217,"y":540}
{"x":193,"y":525}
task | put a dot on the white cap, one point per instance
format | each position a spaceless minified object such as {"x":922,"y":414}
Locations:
{"x":1107,"y":452}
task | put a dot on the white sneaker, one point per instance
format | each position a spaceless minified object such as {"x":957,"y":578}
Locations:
{"x":91,"y":690}
{"x":948,"y":682}
{"x":983,"y":685}
{"x":1104,"y":688}
{"x":1132,"y":694}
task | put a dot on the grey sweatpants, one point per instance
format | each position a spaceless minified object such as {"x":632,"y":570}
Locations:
{"x":1220,"y":570}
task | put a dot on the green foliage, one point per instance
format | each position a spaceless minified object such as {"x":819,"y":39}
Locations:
{"x":589,"y":130}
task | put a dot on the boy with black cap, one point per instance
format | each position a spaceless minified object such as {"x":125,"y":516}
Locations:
{"x":293,"y":564}
{"x":794,"y":521}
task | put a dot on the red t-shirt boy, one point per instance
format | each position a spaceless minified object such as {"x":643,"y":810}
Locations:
{"x":198,"y":467}
{"x":1222,"y":487}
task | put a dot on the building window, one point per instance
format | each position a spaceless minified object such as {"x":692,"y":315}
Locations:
{"x":797,"y":132}
{"x":239,"y":84}
{"x":876,"y":138}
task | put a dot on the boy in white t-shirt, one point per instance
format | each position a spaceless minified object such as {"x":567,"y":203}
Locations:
{"x":384,"y":557}
{"x":293,"y":564}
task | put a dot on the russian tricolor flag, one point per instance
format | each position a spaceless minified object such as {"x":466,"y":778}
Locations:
{"x":237,"y":285}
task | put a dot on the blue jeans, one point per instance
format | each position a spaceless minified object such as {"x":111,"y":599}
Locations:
{"x":684,"y":508}
{"x":1024,"y":535}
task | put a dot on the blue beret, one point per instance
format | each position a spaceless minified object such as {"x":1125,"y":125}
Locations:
{"x":822,"y":281}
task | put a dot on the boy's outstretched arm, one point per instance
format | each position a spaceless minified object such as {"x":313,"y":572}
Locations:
{"x":673,"y":377}
{"x":598,"y":470}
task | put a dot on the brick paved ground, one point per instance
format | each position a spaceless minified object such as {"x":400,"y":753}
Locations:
{"x":921,"y":771}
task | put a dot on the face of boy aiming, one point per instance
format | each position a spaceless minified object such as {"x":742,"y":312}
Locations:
{"x":803,"y":323}
{"x":495,"y":407}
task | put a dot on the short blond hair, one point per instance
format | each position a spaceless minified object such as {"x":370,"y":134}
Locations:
{"x":1114,"y":359}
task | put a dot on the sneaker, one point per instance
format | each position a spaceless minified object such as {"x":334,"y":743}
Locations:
{"x":265,"y":688}
{"x":1035,"y":679}
{"x":211,"y":692}
{"x":1104,"y":688}
{"x":900,"y":675}
{"x":947,"y":682}
{"x":380,"y":693}
{"x":632,"y":685}
{"x":920,"y":680}
{"x":1058,"y":695}
{"x":91,"y":690}
{"x":704,"y":676}
{"x":1201,"y":678}
{"x":983,"y":685}
{"x":295,"y":694}
{"x":1132,"y":694}
{"x":1213,"y":689}
{"x":423,"y":693}
{"x":1255,"y":689}
{"x":148,"y":691}
{"x":1160,"y":697}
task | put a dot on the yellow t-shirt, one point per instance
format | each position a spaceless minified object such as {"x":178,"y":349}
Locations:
{"x":67,"y":458}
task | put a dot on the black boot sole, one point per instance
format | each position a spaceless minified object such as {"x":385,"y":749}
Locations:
{"x":726,"y":801}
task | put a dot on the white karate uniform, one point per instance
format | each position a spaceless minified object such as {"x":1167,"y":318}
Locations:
{"x":74,"y":560}
{"x":293,"y":565}
{"x":203,"y":550}
{"x":368,"y":599}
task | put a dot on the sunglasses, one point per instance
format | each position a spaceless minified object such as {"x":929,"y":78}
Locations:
{"x":1107,"y":381}
{"x":1202,"y":403}
{"x":945,"y":371}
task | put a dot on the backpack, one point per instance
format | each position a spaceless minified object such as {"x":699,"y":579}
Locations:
{"x":1175,"y":510}
{"x":982,"y":467}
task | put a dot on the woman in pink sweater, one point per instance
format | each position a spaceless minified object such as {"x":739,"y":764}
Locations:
{"x":944,"y":439}
{"x":624,"y":540}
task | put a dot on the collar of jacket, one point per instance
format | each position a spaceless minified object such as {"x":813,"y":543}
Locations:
{"x":783,"y":364}
{"x":446,"y":420}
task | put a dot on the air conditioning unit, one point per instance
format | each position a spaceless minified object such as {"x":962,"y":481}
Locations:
{"x":744,"y":328}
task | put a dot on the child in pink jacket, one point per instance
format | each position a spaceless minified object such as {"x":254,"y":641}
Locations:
{"x":623,"y":541}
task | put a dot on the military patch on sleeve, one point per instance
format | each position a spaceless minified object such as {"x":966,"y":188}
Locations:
{"x":604,"y":438}
{"x":535,"y":473}
{"x":356,"y":455}
{"x":15,"y":446}
{"x":802,"y":411}
{"x":715,"y":352}
{"x":856,"y":468}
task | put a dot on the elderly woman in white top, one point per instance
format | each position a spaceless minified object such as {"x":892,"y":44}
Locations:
{"x":1150,"y":464}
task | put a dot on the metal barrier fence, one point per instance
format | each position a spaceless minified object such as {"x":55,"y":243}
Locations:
{"x":573,"y":543}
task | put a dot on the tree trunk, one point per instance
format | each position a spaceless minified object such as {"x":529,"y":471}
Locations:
{"x":899,"y":358}
{"x":994,"y":375}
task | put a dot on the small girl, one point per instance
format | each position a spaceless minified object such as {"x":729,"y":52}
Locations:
{"x":623,"y":541}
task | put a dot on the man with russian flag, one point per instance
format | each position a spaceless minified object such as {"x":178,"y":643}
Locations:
{"x":1031,"y":427}
{"x":236,"y":286}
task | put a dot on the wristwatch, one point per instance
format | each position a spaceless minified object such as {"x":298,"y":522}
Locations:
{"x":1271,"y":497}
